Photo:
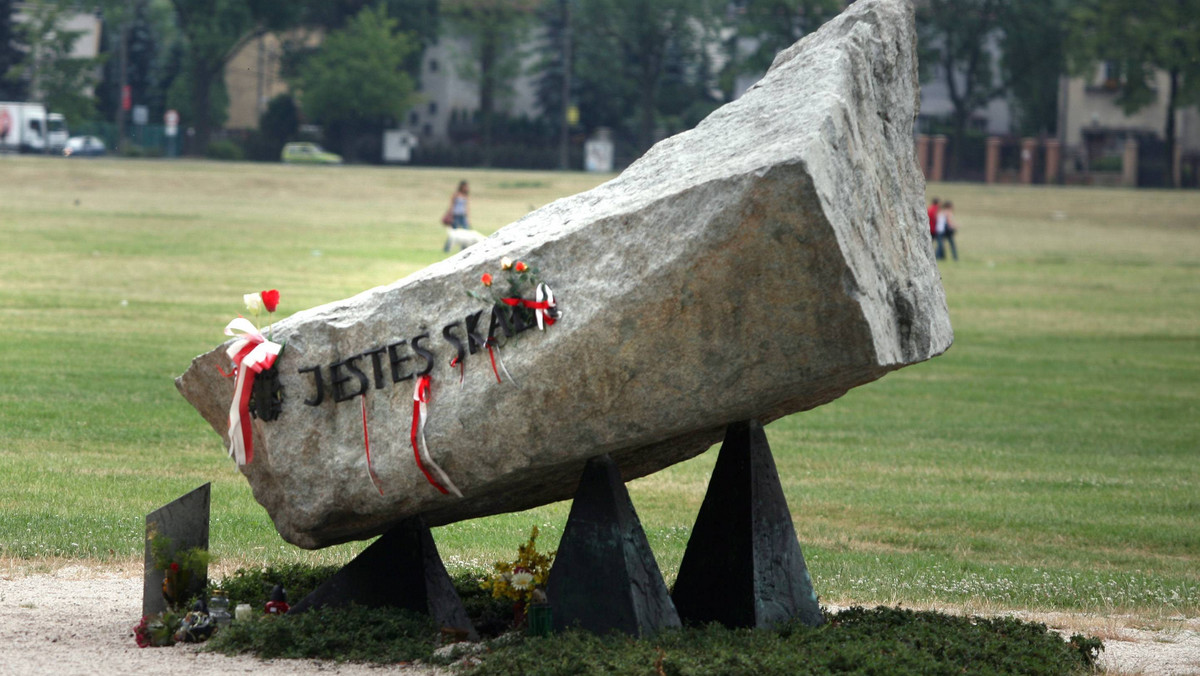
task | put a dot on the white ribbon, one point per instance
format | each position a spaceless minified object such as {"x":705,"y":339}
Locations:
{"x":544,"y":295}
{"x":424,"y":447}
{"x":251,"y":354}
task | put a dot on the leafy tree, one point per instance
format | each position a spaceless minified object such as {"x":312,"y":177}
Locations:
{"x":357,"y":82}
{"x":552,"y":66}
{"x":772,"y":26}
{"x":56,"y":78}
{"x":495,"y":29}
{"x":956,"y":36}
{"x":152,"y":42}
{"x":421,"y":20}
{"x":1034,"y":33}
{"x":625,"y":47}
{"x":213,"y":31}
{"x":279,"y":123}
{"x":1140,"y":39}
{"x":12,"y":53}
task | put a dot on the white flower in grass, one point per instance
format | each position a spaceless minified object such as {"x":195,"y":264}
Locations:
{"x":522,"y":580}
{"x":254,"y":302}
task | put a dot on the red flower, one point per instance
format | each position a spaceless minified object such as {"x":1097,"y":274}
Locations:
{"x":174,"y":567}
{"x":520,"y":266}
{"x":487,"y":279}
{"x":270,"y":300}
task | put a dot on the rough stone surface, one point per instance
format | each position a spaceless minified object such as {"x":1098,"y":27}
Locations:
{"x":743,"y":566}
{"x":604,"y":576}
{"x":761,"y":264}
{"x":185,"y":521}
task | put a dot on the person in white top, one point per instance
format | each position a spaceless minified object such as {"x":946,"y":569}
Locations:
{"x":946,"y":227}
{"x":459,"y":210}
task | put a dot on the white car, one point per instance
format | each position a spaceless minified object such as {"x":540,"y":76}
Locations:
{"x":84,"y":146}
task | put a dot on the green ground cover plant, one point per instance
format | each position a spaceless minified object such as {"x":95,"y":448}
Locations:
{"x":882,"y":640}
{"x":1046,"y":462}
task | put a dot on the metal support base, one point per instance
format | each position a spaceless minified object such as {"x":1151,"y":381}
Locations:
{"x":402,"y":569}
{"x":743,"y":566}
{"x":604,"y":576}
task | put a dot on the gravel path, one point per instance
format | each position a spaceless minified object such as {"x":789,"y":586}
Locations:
{"x":79,"y":620}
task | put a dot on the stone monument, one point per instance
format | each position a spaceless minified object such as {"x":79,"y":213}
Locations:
{"x":761,"y":264}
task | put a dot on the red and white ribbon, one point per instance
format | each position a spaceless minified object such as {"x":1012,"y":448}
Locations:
{"x":494,"y":355}
{"x":251,"y":354}
{"x":545,"y":301}
{"x":541,"y":305}
{"x":421,"y":449}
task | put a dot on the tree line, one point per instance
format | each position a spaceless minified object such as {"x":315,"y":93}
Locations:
{"x":642,"y":68}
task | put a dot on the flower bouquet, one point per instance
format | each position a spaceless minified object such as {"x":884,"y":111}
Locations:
{"x":523,"y":581}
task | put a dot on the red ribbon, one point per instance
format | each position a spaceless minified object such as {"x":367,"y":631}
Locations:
{"x":492,"y":356}
{"x":420,"y":398}
{"x":542,"y":306}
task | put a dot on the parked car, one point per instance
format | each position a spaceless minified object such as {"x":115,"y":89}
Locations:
{"x":300,"y":152}
{"x":84,"y":146}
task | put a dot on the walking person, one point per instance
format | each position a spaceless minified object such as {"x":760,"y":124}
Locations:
{"x":944,"y":229}
{"x":932,"y":212}
{"x":459,"y":211}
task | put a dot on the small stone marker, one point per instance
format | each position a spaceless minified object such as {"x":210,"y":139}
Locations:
{"x":185,"y":521}
{"x":401,"y":569}
{"x":604,"y":576}
{"x":743,"y":566}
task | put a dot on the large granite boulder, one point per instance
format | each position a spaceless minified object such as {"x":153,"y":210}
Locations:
{"x":761,"y":264}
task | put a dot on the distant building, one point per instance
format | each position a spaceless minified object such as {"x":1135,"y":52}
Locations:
{"x":253,"y":77}
{"x":87,"y":45}
{"x":995,"y":118}
{"x":1094,"y":130}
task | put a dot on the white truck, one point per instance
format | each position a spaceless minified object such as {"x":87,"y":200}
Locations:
{"x":28,"y":128}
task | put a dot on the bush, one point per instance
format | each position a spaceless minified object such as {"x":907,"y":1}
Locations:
{"x":1109,"y":163}
{"x":880,"y":641}
{"x":224,"y":150}
{"x":350,"y":633}
{"x":856,"y":640}
{"x":254,"y":586}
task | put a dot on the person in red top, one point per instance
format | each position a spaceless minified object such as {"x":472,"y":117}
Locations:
{"x":933,"y":214}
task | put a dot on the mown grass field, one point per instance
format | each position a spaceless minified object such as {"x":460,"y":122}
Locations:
{"x":1048,"y":461}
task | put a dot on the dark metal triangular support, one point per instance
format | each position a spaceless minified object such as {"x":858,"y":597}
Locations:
{"x":604,"y":576}
{"x":743,"y":566}
{"x":402,"y":569}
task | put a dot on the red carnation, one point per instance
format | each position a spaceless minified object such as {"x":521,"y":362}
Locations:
{"x":487,"y":279}
{"x":520,"y":266}
{"x":270,"y":300}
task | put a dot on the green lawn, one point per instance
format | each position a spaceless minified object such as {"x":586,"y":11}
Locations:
{"x":1048,"y":461}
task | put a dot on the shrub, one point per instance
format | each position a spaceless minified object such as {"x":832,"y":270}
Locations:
{"x":224,"y":150}
{"x":349,"y":633}
{"x":879,"y":641}
{"x":254,"y":586}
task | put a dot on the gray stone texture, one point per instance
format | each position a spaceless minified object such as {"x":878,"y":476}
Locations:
{"x":761,"y":264}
